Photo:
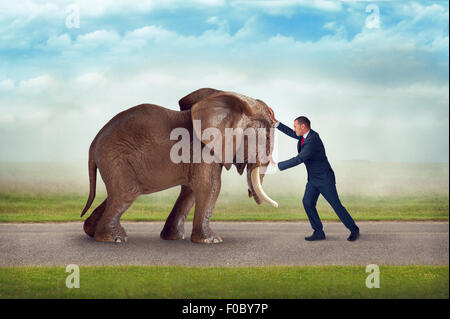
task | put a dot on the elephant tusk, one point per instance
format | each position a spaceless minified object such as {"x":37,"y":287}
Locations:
{"x":256,"y":182}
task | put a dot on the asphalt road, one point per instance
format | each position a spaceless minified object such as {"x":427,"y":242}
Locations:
{"x":245,"y":244}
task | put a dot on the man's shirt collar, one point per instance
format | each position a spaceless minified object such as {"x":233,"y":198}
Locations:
{"x":306,"y":134}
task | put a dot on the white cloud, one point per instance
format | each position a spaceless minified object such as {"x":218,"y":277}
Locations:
{"x":99,"y":37}
{"x":390,"y":78}
{"x":58,"y":43}
{"x":26,"y":10}
{"x":370,"y":48}
{"x":286,"y":7}
{"x":140,"y":37}
{"x":33,"y":9}
{"x":419,"y":12}
{"x":6,"y":85}
{"x":36,"y":117}
{"x":38,"y":83}
{"x":340,"y":110}
{"x":90,"y":80}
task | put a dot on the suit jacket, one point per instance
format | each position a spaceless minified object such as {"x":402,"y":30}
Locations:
{"x":312,"y":153}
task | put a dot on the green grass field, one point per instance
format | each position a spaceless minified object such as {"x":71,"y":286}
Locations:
{"x":221,"y":282}
{"x":62,"y":207}
{"x":57,"y":192}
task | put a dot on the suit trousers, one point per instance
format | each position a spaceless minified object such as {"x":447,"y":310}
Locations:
{"x":329,"y":192}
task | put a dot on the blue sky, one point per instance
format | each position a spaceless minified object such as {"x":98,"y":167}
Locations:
{"x":373,"y":93}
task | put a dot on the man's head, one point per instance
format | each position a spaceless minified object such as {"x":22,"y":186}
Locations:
{"x":301,"y":125}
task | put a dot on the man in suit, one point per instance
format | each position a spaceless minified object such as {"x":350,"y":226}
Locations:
{"x":321,"y":179}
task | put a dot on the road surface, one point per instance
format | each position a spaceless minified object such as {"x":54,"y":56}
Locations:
{"x":245,"y":244}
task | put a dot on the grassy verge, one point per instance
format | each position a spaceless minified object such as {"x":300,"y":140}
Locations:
{"x":222,"y":282}
{"x":16,"y":207}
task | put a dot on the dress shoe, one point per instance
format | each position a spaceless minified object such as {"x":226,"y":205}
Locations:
{"x":315,"y":236}
{"x":353,"y":236}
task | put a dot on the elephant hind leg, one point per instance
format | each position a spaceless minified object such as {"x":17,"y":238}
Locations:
{"x":90,"y":224}
{"x":123,"y":189}
{"x":174,"y":226}
{"x":108,"y":227}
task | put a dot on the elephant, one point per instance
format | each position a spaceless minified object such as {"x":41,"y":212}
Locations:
{"x":132,"y":154}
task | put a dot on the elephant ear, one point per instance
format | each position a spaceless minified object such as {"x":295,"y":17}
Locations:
{"x":221,"y":110}
{"x":189,"y":100}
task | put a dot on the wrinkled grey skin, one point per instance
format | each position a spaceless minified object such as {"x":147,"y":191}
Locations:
{"x":132,"y":154}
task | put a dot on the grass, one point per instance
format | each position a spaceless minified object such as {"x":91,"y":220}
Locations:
{"x":222,"y":282}
{"x":57,"y":192}
{"x":54,"y":207}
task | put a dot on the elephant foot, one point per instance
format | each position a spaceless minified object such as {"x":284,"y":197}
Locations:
{"x":89,"y":229}
{"x":206,"y":238}
{"x":171,"y":234}
{"x":89,"y":226}
{"x":115,"y":234}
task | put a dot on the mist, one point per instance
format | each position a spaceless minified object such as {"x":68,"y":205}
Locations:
{"x":353,"y":178}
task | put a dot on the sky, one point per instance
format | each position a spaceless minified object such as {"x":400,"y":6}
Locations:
{"x":372,"y":76}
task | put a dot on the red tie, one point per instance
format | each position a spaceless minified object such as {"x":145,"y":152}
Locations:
{"x":303,"y":139}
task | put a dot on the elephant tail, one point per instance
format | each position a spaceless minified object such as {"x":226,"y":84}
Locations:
{"x":92,"y":180}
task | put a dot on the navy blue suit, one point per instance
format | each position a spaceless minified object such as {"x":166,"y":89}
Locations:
{"x":321,"y":179}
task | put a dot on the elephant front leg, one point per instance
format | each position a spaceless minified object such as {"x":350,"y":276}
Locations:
{"x":174,"y":226}
{"x":205,"y":199}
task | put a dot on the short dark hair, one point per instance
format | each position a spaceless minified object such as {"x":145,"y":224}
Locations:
{"x":304,"y":120}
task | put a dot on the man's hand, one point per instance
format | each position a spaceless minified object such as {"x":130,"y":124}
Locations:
{"x":272,"y":115}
